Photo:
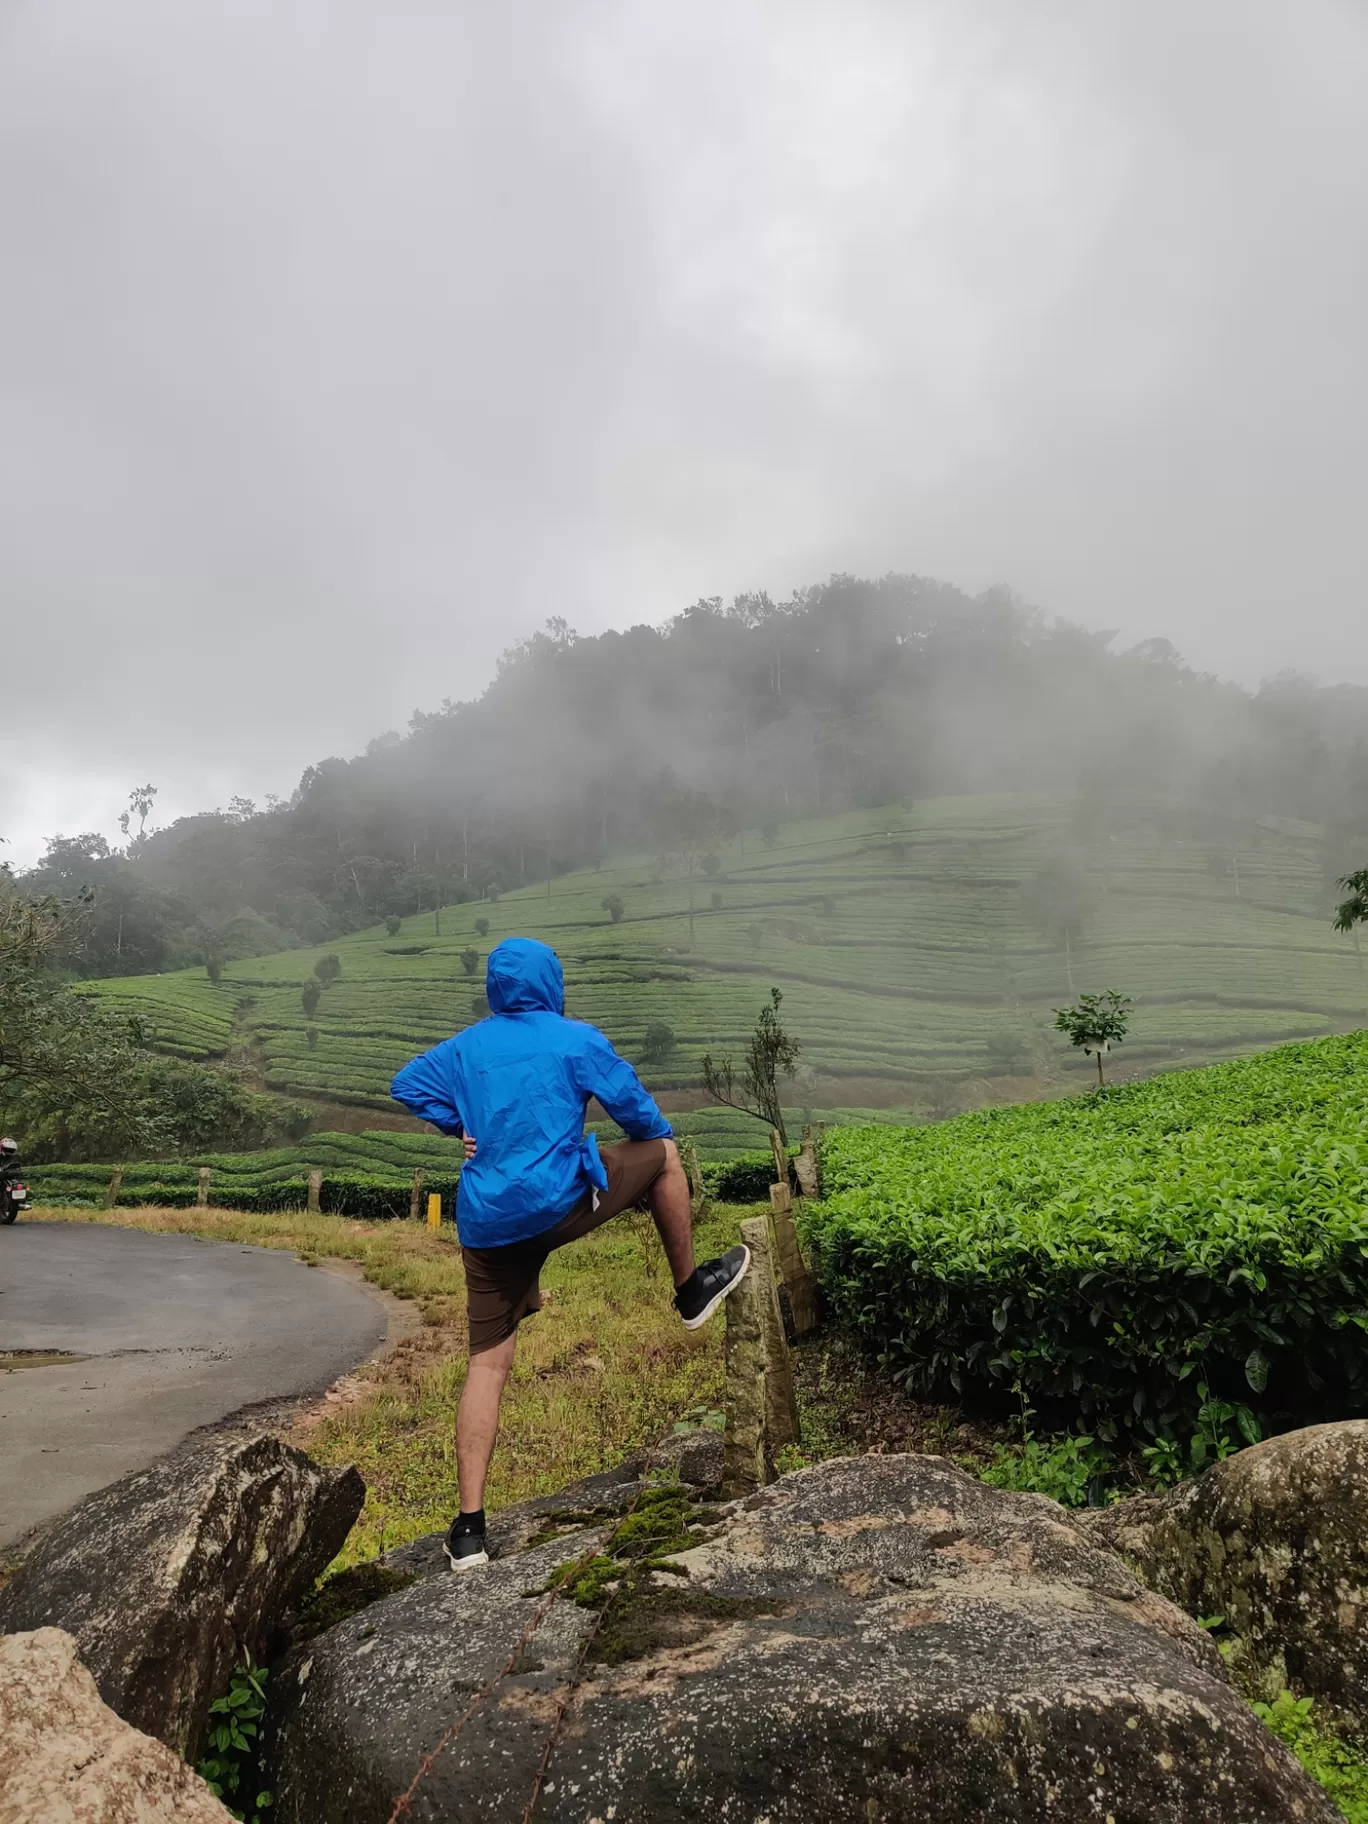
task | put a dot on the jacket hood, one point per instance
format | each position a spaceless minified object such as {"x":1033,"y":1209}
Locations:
{"x":524,"y":977}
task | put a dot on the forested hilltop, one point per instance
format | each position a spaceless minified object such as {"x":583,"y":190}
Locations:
{"x":852,"y":694}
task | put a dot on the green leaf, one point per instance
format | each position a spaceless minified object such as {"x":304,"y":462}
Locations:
{"x":1256,"y":1370}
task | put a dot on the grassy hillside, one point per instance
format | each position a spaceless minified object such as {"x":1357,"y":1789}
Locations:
{"x":902,"y":939}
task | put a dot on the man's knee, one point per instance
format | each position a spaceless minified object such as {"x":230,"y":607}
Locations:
{"x":672,"y":1160}
{"x":493,"y":1362}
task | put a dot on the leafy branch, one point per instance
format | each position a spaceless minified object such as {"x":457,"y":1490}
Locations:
{"x":753,"y":1088}
{"x":1354,"y":910}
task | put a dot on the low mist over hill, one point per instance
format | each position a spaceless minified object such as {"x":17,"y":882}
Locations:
{"x":919,"y":951}
{"x":728,"y":718}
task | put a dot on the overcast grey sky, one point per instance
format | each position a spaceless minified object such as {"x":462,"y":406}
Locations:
{"x":342,"y":344}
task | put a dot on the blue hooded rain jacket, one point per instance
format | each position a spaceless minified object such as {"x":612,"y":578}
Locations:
{"x":520,"y":1083}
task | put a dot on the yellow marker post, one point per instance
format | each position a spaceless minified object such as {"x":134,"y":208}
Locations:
{"x":434,"y":1210}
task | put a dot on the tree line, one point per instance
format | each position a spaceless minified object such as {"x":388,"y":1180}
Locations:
{"x":728,"y":717}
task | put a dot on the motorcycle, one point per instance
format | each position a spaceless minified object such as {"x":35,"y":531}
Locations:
{"x":13,"y":1194}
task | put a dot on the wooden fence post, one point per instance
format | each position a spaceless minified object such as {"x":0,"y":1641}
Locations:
{"x":797,"y":1280}
{"x":202,"y":1194}
{"x":434,"y":1210}
{"x":416,"y":1195}
{"x":762,"y":1408}
{"x":315,"y":1192}
{"x":115,"y":1186}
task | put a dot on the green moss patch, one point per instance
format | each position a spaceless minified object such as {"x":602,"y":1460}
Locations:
{"x":662,"y":1521}
{"x":648,"y":1620}
{"x":637,"y":1616}
{"x":346,"y":1593}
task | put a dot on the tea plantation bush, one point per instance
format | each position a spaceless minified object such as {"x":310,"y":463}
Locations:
{"x":743,"y":1180}
{"x":176,"y":1186}
{"x":1120,"y":1258}
{"x":249,"y":1184}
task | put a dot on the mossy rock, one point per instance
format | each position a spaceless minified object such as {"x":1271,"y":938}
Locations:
{"x":1273,"y":1540}
{"x":881,"y":1637}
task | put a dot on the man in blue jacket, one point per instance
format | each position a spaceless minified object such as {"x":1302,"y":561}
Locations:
{"x":516,"y":1086}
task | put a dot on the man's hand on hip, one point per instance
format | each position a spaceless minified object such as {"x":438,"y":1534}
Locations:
{"x":469,"y":1147}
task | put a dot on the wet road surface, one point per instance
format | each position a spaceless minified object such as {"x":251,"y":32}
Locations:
{"x":171,"y":1333}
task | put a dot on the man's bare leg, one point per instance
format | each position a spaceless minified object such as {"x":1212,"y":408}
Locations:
{"x":673,"y":1213}
{"x":477,"y":1419}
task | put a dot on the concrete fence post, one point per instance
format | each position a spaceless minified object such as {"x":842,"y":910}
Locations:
{"x":780,"y":1151}
{"x":202,"y":1194}
{"x":762,"y":1407}
{"x":416,"y":1196}
{"x":115,"y":1186}
{"x":807,"y":1167}
{"x":315,"y":1192}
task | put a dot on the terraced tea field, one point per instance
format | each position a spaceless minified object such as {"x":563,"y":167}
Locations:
{"x":901,"y":940}
{"x":378,"y":1163}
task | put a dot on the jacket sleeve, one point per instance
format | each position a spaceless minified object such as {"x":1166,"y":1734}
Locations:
{"x":618,"y":1087}
{"x":424,"y":1087}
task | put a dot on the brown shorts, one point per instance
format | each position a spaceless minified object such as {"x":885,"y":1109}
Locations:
{"x":501,"y":1283}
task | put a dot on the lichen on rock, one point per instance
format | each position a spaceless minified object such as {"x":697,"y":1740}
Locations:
{"x":1274,"y":1540}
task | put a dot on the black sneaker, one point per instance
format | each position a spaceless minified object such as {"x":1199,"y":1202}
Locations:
{"x":699,"y":1297}
{"x":465,"y":1546}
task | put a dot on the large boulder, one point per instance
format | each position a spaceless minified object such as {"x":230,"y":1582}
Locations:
{"x":67,"y":1759}
{"x":1275,"y":1540}
{"x":881,"y":1638}
{"x":167,"y":1577}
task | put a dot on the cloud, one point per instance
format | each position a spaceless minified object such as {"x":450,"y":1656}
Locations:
{"x":340,"y":347}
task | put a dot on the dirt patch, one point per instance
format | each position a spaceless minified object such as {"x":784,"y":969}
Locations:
{"x":850,"y":1407}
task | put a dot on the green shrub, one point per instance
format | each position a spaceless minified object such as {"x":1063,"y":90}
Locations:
{"x":743,"y":1180}
{"x":658,"y":1043}
{"x":394,"y":925}
{"x":1065,"y":1469}
{"x":195,"y":1106}
{"x":328,"y":969}
{"x":470,"y":961}
{"x":1339,"y":1766}
{"x":232,"y":1763}
{"x":1178,"y":1259}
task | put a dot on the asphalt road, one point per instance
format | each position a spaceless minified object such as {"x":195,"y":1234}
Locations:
{"x":175,"y":1333}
